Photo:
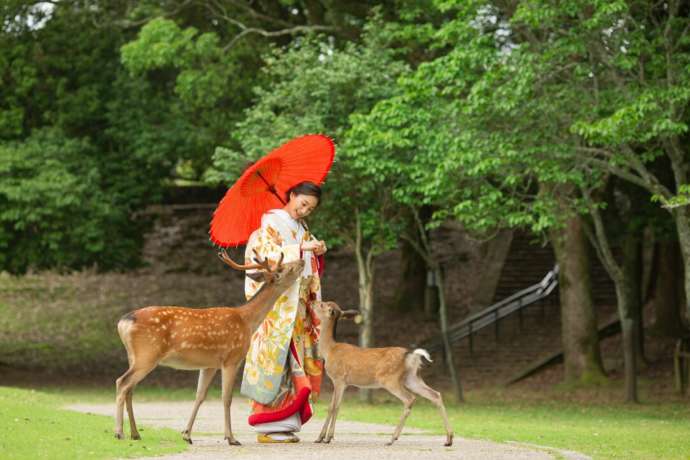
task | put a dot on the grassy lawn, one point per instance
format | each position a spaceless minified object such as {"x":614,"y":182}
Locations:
{"x":32,"y":426}
{"x":611,"y":431}
{"x":604,"y":432}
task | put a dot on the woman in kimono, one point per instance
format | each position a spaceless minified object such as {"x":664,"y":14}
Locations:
{"x":282,"y":371}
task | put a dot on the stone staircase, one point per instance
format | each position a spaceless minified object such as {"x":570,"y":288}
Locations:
{"x":497,"y":354}
{"x":528,"y":261}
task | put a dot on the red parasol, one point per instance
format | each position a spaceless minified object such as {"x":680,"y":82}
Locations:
{"x":264,"y":184}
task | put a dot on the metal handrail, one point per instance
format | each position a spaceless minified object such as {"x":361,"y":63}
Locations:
{"x":497,"y":311}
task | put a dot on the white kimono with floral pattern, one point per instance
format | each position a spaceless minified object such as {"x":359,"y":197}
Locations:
{"x":269,"y":364}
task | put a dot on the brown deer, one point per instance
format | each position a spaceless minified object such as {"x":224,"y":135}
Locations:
{"x":392,"y":368}
{"x":206,"y":339}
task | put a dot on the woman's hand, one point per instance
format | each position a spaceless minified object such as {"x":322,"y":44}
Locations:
{"x":311,"y":245}
{"x":318,"y":247}
{"x":321,"y":250}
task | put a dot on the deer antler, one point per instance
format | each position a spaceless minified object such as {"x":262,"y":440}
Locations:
{"x":223,"y":255}
{"x":280,"y":261}
{"x":260,"y":264}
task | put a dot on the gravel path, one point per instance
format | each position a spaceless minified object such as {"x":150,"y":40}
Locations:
{"x":352,"y":439}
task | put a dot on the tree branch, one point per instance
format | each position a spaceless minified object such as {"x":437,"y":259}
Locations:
{"x":620,"y":172}
{"x":278,"y":33}
{"x":127,"y":24}
{"x":261,"y":16}
{"x":643,"y":172}
{"x":370,"y":260}
{"x":601,"y":242}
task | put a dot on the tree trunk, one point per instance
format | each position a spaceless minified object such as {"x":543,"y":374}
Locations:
{"x":431,"y":303}
{"x":448,"y":349}
{"x":366,"y":306}
{"x":423,"y":246}
{"x":412,"y":283}
{"x":632,"y":277}
{"x":627,"y":278}
{"x":494,"y":254}
{"x":683,"y":228}
{"x":667,"y":290}
{"x":578,"y":319}
{"x":625,"y":295}
{"x":649,"y":263}
{"x":365,"y":287}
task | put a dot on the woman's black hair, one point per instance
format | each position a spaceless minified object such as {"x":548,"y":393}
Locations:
{"x":305,"y":188}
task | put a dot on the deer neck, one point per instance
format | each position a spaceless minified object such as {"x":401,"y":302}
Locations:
{"x":327,"y":336}
{"x":254,"y":311}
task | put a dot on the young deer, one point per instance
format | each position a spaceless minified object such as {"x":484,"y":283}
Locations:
{"x":206,"y":339}
{"x":392,"y":368}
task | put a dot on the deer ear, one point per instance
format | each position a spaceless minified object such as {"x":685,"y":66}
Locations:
{"x":349,"y":314}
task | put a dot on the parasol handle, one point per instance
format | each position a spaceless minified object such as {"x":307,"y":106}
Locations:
{"x":271,"y":188}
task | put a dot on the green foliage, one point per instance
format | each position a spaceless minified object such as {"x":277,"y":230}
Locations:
{"x":203,"y":87}
{"x":682,"y":198}
{"x":485,"y":112}
{"x":524,"y":106}
{"x":68,"y":191}
{"x":315,"y":87}
{"x":430,"y":145}
{"x":53,"y":211}
{"x":204,"y":71}
{"x":65,"y":77}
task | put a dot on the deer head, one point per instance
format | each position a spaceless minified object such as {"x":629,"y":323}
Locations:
{"x":280,"y":273}
{"x":331,"y":311}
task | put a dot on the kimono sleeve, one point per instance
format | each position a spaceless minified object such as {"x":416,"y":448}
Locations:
{"x":270,"y":243}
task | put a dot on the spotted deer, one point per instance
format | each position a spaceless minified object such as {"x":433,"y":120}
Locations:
{"x":392,"y":368}
{"x":204,"y":339}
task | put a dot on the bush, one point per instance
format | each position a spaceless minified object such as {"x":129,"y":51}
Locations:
{"x":53,"y":211}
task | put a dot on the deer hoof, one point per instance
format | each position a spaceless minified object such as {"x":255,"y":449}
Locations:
{"x":449,"y":440}
{"x":233,"y":442}
{"x":119,"y":436}
{"x":319,"y":440}
{"x":136,"y":437}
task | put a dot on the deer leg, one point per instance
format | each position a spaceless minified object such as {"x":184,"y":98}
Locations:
{"x":130,"y":413}
{"x":124,"y":387}
{"x":119,"y":402}
{"x":338,"y":390}
{"x":407,"y":398}
{"x":328,"y":418}
{"x":228,"y":374}
{"x":205,"y":379}
{"x":415,"y":384}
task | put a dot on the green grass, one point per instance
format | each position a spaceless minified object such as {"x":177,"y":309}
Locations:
{"x":53,"y":322}
{"x":32,"y":426}
{"x":660,"y":431}
{"x":143,"y":392}
{"x":604,"y":431}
